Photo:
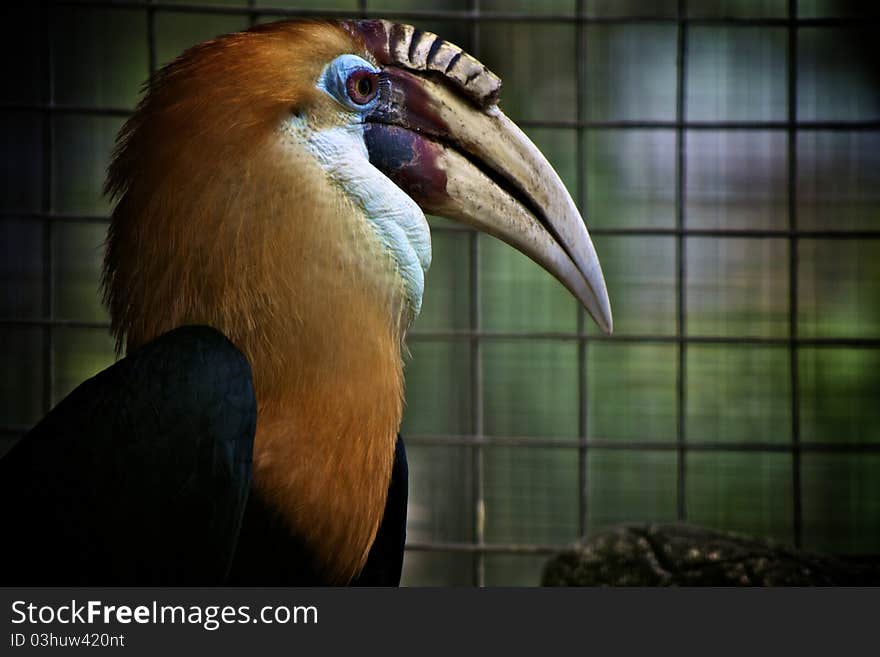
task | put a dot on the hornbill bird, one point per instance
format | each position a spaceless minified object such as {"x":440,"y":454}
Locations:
{"x":266,"y":255}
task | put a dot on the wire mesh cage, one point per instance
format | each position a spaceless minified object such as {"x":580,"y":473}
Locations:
{"x":726,"y":156}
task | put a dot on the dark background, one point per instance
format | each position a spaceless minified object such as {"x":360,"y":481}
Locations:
{"x":726,"y":156}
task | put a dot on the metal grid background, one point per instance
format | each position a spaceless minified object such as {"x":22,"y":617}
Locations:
{"x":475,"y":335}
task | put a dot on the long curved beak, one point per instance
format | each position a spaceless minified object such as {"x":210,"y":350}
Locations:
{"x":466,"y":161}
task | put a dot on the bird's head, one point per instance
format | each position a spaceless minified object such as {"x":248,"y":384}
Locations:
{"x":297,"y":158}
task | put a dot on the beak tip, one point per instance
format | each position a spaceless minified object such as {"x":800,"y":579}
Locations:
{"x":600,"y":309}
{"x":597,"y":302}
{"x":605,"y":321}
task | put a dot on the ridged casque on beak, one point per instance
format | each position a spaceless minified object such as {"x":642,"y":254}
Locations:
{"x":438,"y":133}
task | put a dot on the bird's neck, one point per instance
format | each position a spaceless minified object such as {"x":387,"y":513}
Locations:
{"x":301,"y":283}
{"x":325,"y":445}
{"x":327,"y":425}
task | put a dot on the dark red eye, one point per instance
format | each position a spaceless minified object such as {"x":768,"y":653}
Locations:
{"x":362,"y":86}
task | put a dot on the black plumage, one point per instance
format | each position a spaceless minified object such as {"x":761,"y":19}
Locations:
{"x":142,"y":476}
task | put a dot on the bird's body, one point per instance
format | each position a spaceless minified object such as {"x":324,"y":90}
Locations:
{"x":320,"y":323}
{"x":272,"y":185}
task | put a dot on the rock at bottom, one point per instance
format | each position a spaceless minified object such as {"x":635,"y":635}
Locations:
{"x":683,"y":555}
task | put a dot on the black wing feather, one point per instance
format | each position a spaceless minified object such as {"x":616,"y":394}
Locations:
{"x":140,"y":475}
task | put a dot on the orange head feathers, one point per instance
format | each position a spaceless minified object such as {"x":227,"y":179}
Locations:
{"x":215,"y":222}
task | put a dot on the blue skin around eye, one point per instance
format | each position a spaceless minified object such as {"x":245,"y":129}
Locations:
{"x":333,"y":80}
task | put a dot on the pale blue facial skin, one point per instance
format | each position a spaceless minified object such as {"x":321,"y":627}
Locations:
{"x":397,"y":220}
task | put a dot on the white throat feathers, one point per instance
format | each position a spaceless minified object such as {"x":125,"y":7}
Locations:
{"x":398,"y":222}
